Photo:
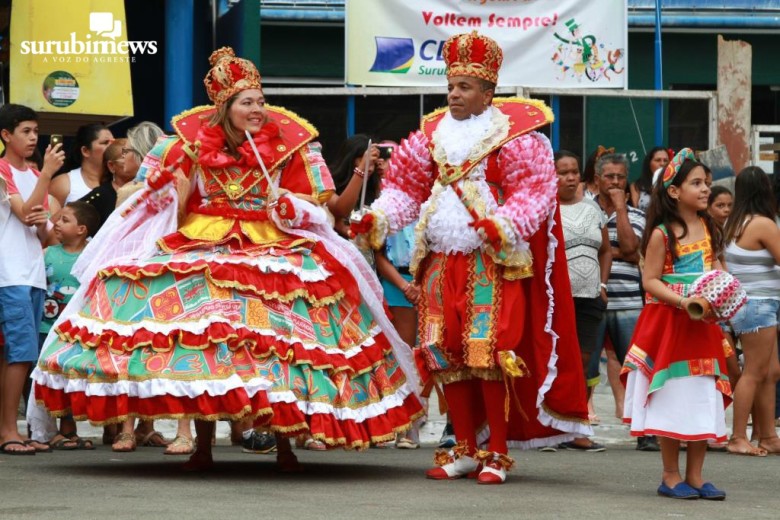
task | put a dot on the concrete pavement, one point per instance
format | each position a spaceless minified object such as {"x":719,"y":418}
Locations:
{"x":378,"y":483}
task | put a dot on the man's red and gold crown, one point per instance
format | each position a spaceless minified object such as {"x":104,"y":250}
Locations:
{"x":229,"y":75}
{"x":472,"y":54}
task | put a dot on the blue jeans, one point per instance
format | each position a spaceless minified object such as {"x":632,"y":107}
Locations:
{"x":620,"y":327}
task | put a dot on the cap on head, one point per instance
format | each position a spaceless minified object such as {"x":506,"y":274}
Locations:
{"x":229,"y":75}
{"x":472,"y":54}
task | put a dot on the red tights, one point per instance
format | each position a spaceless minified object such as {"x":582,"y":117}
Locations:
{"x":465,"y":396}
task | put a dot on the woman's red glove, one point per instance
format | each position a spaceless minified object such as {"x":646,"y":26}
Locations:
{"x":285,"y":208}
{"x":159,"y":178}
{"x":489,"y":231}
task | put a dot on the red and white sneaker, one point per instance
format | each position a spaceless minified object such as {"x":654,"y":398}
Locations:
{"x":495,"y":466}
{"x":453,"y":464}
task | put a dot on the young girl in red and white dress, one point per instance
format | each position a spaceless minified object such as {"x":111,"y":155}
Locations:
{"x":675,"y":374}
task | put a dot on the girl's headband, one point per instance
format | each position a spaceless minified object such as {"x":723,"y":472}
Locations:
{"x":673,"y":168}
{"x":601,"y":150}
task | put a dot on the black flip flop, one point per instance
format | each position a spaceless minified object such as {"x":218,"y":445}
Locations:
{"x":15,"y":452}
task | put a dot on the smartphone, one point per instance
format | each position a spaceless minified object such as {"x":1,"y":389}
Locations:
{"x":55,"y":140}
{"x":385,"y":152}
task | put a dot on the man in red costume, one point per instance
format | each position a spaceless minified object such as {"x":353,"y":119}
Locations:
{"x":496,"y":317}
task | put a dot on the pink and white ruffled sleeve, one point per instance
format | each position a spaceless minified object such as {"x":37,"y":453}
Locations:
{"x":529,"y":183}
{"x":405,"y":186}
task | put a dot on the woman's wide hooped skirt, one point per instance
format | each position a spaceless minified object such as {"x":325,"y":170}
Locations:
{"x":224,"y":331}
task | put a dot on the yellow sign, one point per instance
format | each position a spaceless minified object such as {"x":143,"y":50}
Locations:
{"x":73,"y":57}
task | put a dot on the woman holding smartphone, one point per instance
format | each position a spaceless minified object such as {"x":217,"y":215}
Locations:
{"x":86,"y":161}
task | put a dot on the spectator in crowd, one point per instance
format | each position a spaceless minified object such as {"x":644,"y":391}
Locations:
{"x":140,"y":141}
{"x":589,"y":187}
{"x":401,"y":291}
{"x":86,"y":161}
{"x":103,"y":198}
{"x":354,"y":162}
{"x":719,"y":204}
{"x":589,"y":258}
{"x":625,"y":226}
{"x":752,"y":255}
{"x":76,"y":223}
{"x":641,"y":189}
{"x":24,"y":223}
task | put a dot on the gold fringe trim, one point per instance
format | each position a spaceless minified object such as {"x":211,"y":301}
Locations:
{"x":378,"y":233}
{"x":503,"y":460}
{"x":442,"y":457}
{"x":560,"y":417}
{"x":465,"y":374}
{"x":513,"y":367}
{"x":187,"y":113}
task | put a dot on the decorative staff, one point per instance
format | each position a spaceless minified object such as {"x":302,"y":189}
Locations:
{"x":271,"y":185}
{"x":357,"y":216}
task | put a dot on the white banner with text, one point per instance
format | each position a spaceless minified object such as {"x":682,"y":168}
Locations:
{"x":546,"y":43}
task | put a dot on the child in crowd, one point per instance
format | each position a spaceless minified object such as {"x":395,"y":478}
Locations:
{"x":24,"y":223}
{"x":76,"y":223}
{"x":719,"y":204}
{"x":676,"y":387}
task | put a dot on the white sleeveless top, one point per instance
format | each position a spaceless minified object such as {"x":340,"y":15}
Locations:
{"x":755,"y":270}
{"x":78,"y":188}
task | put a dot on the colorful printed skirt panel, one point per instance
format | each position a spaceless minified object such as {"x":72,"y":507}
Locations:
{"x":279,"y":334}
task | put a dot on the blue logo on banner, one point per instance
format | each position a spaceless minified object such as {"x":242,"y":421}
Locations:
{"x":393,"y":55}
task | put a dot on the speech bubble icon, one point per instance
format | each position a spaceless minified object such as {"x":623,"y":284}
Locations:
{"x":101,"y":22}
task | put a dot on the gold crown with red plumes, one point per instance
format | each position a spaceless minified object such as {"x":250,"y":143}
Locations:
{"x":229,"y":75}
{"x":472,"y":54}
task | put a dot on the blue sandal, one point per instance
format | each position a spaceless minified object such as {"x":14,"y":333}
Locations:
{"x":682,"y":491}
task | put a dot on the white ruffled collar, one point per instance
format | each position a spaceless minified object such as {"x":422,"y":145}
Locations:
{"x":456,"y":141}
